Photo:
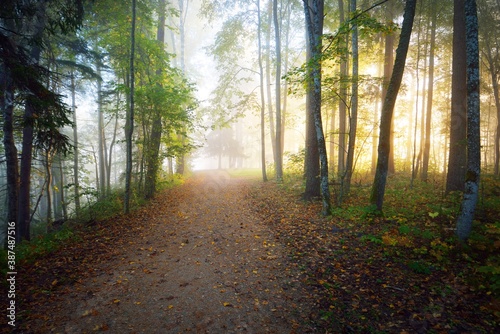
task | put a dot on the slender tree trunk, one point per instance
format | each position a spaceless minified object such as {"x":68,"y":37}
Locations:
{"x":129,"y":126}
{"x":48,"y":175}
{"x":100,"y":134}
{"x":76,"y":152}
{"x":430,"y":95}
{"x":279,"y":153}
{"x":64,"y":206}
{"x":388,"y":68}
{"x":353,"y":119}
{"x":285,"y":70}
{"x":268,"y":79}
{"x":471,"y":188}
{"x":458,"y":127}
{"x":110,"y":155}
{"x":384,"y":146}
{"x":342,"y":103}
{"x":183,"y":10}
{"x":262,"y":99}
{"x":7,"y":106}
{"x":314,"y":12}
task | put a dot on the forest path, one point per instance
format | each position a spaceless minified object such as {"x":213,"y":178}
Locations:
{"x":203,"y":263}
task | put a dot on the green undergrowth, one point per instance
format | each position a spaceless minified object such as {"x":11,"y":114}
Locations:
{"x":407,"y":262}
{"x":43,"y":243}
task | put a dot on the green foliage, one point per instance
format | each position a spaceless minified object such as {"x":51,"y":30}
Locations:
{"x":42,"y":245}
{"x":420,"y":267}
{"x":294,"y":162}
{"x":372,"y":238}
{"x":491,"y":272}
{"x":106,"y":207}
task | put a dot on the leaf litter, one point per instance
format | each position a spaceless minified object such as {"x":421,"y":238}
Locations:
{"x":245,"y":256}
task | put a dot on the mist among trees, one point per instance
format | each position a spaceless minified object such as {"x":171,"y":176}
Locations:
{"x":105,"y":104}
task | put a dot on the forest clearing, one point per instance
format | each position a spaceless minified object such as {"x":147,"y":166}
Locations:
{"x":230,"y":254}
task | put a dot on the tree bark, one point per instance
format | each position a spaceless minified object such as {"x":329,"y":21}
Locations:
{"x":279,"y":154}
{"x":388,"y":68}
{"x":272,"y":130}
{"x":458,"y":127}
{"x":7,"y":106}
{"x":342,"y":104}
{"x":262,"y":99}
{"x":353,"y":119}
{"x":153,"y":149}
{"x":129,"y":126}
{"x":384,"y":146}
{"x":314,"y":10}
{"x":76,"y":152}
{"x":430,"y":95}
{"x":471,"y":187}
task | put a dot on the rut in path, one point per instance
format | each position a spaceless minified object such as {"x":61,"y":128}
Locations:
{"x":205,"y":264}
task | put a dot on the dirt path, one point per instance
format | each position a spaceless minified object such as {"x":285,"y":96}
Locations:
{"x":204,"y":263}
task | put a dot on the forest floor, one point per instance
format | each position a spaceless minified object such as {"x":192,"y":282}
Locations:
{"x":221,"y":254}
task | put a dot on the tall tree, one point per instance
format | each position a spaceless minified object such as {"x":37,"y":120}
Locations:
{"x":23,"y":29}
{"x":129,"y":127}
{"x":430,"y":93}
{"x":458,"y":127}
{"x":384,"y":145}
{"x":30,"y":112}
{"x":76,"y":152}
{"x":314,"y":14}
{"x":388,"y":68}
{"x":471,"y":188}
{"x":353,"y":118}
{"x":262,"y":98}
{"x":153,"y":149}
{"x":279,"y":154}
{"x":342,"y":98}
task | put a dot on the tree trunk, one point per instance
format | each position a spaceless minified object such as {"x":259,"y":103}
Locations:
{"x":279,"y":154}
{"x":384,"y":146}
{"x":342,"y":103}
{"x":181,"y":159}
{"x":48,"y":175}
{"x":24,"y":199}
{"x":430,"y":95}
{"x":458,"y":127}
{"x":262,"y":99}
{"x":76,"y":152}
{"x":471,"y":188}
{"x":100,"y":134}
{"x":153,"y":149}
{"x":268,"y":80}
{"x":314,"y":10}
{"x":129,"y":126}
{"x":7,"y":106}
{"x":388,"y":68}
{"x":353,"y":119}
{"x":110,"y":156}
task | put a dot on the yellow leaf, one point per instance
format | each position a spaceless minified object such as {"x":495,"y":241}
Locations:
{"x":226,"y":304}
{"x":116,"y":301}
